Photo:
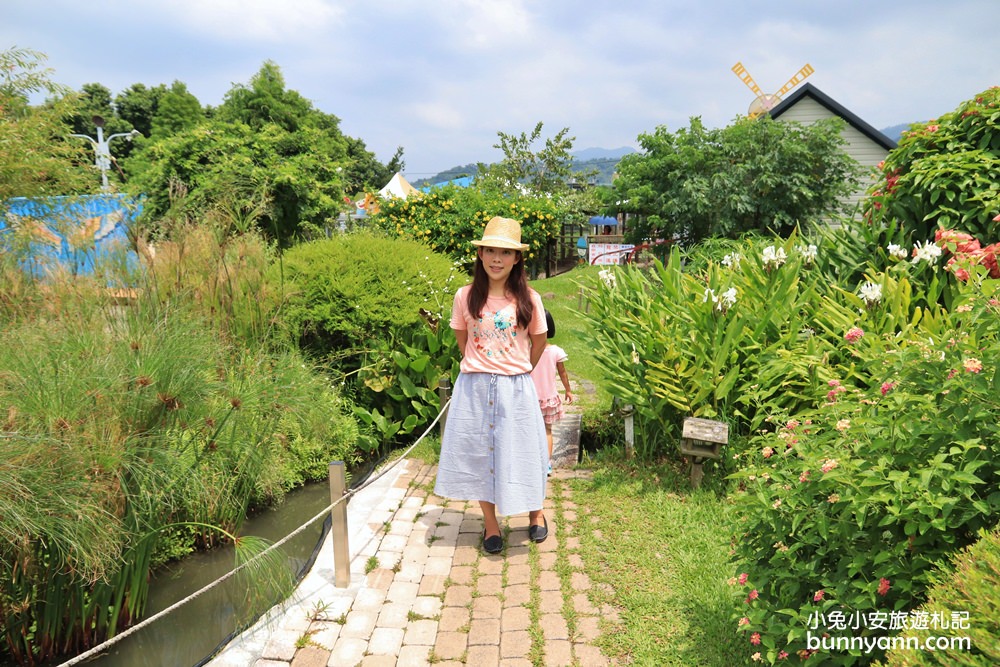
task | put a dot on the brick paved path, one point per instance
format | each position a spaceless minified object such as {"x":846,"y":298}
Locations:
{"x":432,"y":596}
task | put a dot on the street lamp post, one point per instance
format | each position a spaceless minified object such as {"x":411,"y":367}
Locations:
{"x":102,"y":151}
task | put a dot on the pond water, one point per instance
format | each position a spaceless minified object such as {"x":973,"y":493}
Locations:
{"x":190,"y":635}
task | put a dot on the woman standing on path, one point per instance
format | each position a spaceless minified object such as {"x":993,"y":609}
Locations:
{"x":494,"y":447}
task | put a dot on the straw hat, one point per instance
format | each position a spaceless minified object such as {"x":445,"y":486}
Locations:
{"x":502,"y":233}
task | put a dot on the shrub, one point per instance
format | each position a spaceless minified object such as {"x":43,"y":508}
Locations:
{"x":344,"y":294}
{"x":849,"y":507}
{"x":940,"y":175}
{"x":967,"y":593}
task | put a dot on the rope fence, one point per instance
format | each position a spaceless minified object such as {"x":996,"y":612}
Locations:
{"x":103,"y":646}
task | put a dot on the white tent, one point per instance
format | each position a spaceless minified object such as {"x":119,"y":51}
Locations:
{"x":397,"y":187}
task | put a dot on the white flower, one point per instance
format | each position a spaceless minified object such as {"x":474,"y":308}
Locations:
{"x":809,"y":253}
{"x":710,"y":293}
{"x":773,"y":257}
{"x":635,"y":354}
{"x":928,"y":252}
{"x":732,"y":260}
{"x":608,"y":276}
{"x":871,"y":293}
{"x":897,"y":251}
{"x":728,"y":298}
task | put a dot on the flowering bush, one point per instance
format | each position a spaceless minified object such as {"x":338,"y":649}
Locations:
{"x":848,"y":507}
{"x":942,"y":173}
{"x":449,"y":218}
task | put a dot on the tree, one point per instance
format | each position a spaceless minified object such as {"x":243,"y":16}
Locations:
{"x":547,"y":171}
{"x":137,"y":105}
{"x":176,"y":110}
{"x":36,"y":159}
{"x":754,"y":175}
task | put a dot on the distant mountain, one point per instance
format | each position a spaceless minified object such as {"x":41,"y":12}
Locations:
{"x":896,"y":131}
{"x":601,"y":153}
{"x":601,"y":160}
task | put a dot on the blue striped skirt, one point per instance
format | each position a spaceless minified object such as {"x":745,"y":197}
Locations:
{"x":494,"y":445}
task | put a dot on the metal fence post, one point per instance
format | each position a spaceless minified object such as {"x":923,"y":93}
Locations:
{"x":338,"y":527}
{"x":444,"y":393}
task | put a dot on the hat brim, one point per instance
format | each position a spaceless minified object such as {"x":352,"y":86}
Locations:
{"x":497,"y":242}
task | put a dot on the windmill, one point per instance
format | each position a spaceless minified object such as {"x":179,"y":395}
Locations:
{"x":765,"y":102}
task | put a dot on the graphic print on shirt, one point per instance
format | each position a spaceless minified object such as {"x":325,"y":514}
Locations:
{"x":494,"y":334}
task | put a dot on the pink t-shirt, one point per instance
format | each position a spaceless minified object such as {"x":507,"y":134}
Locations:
{"x":495,"y":343}
{"x":547,"y":371}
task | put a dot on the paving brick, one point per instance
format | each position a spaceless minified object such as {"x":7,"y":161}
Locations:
{"x":466,"y":555}
{"x":491,"y":565}
{"x":457,"y":596}
{"x":553,"y":627}
{"x":393,"y":615}
{"x":487,"y":606}
{"x":421,"y":633}
{"x":348,"y":651}
{"x":404,"y":592}
{"x":490,"y":584}
{"x":311,"y":656}
{"x":454,"y":618}
{"x":359,"y":625}
{"x":515,"y":618}
{"x":432,"y":584}
{"x":368,"y":599}
{"x":588,"y":628}
{"x":550,"y":602}
{"x":579,"y":581}
{"x":547,"y":561}
{"x":451,"y":645}
{"x":483,"y":656}
{"x":518,"y":574}
{"x":413,"y":656}
{"x":515,"y":644}
{"x":461,"y":574}
{"x":516,"y":595}
{"x":427,"y":606}
{"x":438,"y":565}
{"x":484,"y":631}
{"x":379,"y":661}
{"x":380,"y":578}
{"x":548,"y":580}
{"x":386,"y":641}
{"x":281,"y":645}
{"x":324,"y":633}
{"x":558,"y":653}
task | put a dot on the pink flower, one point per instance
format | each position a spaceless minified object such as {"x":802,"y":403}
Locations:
{"x":743,"y":621}
{"x":782,"y":655}
{"x":887,"y":387}
{"x":932,"y":128}
{"x":997,"y":219}
{"x":755,"y":638}
{"x":793,"y":423}
{"x":743,"y":578}
{"x":972,"y":365}
{"x":767,"y":452}
{"x":883,"y":586}
{"x":843,"y":424}
{"x":829,"y":465}
{"x":834,"y":383}
{"x":833,"y":497}
{"x":818,"y":595}
{"x":952,"y":373}
{"x":853,"y":335}
{"x":757,"y":657}
{"x":776,"y":504}
{"x":804,"y":477}
{"x":753,"y":595}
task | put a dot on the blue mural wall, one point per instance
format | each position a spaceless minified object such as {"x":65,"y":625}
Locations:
{"x":68,"y":233}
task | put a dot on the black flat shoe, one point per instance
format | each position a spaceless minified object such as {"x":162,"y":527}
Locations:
{"x":539,"y":533}
{"x":492,"y":544}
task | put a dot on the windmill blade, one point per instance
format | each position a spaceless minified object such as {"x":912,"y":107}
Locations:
{"x":796,"y":80}
{"x":741,"y":71}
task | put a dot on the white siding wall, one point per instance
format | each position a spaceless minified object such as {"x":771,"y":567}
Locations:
{"x":861,"y":148}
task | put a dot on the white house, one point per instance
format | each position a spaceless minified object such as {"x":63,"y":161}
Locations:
{"x":808,"y":104}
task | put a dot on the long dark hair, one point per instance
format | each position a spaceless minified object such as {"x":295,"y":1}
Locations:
{"x":517,"y":284}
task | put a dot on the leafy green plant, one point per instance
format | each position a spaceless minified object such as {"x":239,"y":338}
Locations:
{"x":851,"y":506}
{"x":939,"y":175}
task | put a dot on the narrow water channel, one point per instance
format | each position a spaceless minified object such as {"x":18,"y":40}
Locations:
{"x":190,"y":634}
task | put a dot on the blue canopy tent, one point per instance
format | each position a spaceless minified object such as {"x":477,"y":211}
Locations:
{"x":602,"y":220}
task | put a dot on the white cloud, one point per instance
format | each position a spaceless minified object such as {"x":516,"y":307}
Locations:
{"x":249,"y":20}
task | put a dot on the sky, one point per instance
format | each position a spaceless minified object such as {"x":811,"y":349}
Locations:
{"x":442,"y":77}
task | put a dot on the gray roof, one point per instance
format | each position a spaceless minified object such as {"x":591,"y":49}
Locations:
{"x":809,"y":90}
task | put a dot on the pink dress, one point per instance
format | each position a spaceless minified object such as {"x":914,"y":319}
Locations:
{"x":545,"y":376}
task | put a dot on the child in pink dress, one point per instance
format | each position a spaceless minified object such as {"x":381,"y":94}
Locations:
{"x":544,"y":377}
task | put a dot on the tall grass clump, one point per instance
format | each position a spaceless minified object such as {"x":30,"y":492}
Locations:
{"x":134,"y":433}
